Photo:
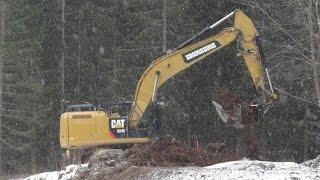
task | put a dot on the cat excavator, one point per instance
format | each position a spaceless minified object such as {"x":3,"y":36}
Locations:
{"x":85,"y":126}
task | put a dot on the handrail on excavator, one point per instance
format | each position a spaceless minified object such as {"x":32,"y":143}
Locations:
{"x":205,"y":30}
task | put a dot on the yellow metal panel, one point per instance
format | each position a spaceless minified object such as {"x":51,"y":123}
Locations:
{"x":102,"y":125}
{"x":251,"y":53}
{"x":63,"y":131}
{"x":83,"y":125}
{"x":88,"y":129}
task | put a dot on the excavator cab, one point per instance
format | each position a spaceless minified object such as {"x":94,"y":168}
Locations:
{"x":121,"y":107}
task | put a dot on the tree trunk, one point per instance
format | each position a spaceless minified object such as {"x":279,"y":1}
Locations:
{"x":164,"y":26}
{"x":313,"y":52}
{"x":305,"y":134}
{"x":33,"y":160}
{"x":62,"y":62}
{"x":2,"y":34}
{"x":78,"y":88}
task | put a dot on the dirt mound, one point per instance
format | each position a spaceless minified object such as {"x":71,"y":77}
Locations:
{"x":141,"y":159}
{"x":169,"y":153}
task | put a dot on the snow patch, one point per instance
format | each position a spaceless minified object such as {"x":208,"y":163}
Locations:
{"x":65,"y":174}
{"x":244,"y":169}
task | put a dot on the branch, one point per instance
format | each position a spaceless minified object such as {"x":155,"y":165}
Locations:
{"x":296,"y":97}
{"x":20,"y":148}
{"x":315,"y":124}
{"x":19,"y":133}
{"x":279,"y":26}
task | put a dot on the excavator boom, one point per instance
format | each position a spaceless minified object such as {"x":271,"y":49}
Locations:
{"x":176,"y":61}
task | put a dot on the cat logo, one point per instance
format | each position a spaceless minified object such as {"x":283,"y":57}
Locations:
{"x":117,"y":123}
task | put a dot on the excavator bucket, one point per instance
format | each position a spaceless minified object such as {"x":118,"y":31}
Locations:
{"x":229,"y":108}
{"x":232,"y":117}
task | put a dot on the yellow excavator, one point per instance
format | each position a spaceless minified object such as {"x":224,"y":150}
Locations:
{"x":85,"y":126}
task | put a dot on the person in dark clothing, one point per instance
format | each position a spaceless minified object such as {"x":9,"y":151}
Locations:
{"x":156,"y":120}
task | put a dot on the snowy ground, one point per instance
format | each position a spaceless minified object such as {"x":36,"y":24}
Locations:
{"x":65,"y":174}
{"x":244,"y":169}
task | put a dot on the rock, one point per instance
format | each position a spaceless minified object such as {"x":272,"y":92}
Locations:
{"x":111,"y":162}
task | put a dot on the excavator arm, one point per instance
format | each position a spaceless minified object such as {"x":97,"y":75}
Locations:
{"x":176,"y":61}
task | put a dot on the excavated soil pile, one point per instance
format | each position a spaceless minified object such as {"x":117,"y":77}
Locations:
{"x":227,"y":99}
{"x":169,"y":153}
{"x":141,"y":159}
